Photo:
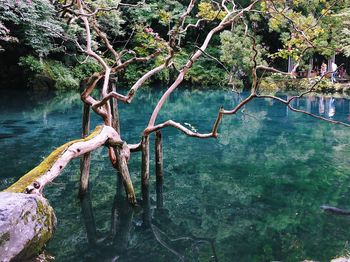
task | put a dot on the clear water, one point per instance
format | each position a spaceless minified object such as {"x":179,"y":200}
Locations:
{"x":253,"y":194}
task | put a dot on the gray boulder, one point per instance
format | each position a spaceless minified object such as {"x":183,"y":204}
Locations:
{"x":27,"y":222}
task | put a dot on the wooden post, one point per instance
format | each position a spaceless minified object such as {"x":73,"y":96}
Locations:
{"x":125,"y":176}
{"x":116,"y":126}
{"x":145,"y":163}
{"x":86,"y":159}
{"x":159,"y":169}
{"x":146,"y":206}
{"x":121,"y":224}
{"x":145,"y":181}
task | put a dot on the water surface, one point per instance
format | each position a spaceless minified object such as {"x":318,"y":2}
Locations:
{"x":253,"y":194}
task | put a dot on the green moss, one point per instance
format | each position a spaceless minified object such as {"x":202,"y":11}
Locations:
{"x":4,"y":238}
{"x":44,"y":217}
{"x":25,"y":217}
{"x":46,"y":164}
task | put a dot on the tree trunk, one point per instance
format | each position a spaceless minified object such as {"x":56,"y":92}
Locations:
{"x":145,"y":181}
{"x":159,"y":169}
{"x":121,"y":224}
{"x":124,"y":172}
{"x":89,"y":219}
{"x":86,"y":159}
{"x":145,"y":164}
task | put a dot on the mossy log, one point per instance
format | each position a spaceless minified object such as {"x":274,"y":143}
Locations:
{"x":35,"y":180}
{"x":27,"y":220}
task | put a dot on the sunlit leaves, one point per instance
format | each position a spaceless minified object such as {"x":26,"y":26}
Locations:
{"x":164,"y":17}
{"x":207,"y":11}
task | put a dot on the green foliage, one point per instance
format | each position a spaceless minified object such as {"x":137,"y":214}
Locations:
{"x":110,"y":22}
{"x":146,"y":28}
{"x":86,"y":69}
{"x":61,"y":74}
{"x":237,"y":52}
{"x":35,"y":23}
{"x":133,"y":72}
{"x":345,"y":32}
{"x":164,"y":12}
{"x":31,"y":63}
{"x":146,"y":41}
{"x":205,"y":72}
{"x":65,"y":77}
{"x":305,"y":24}
{"x":207,"y":11}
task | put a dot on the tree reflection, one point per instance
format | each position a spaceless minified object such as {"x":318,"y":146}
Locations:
{"x":119,"y":243}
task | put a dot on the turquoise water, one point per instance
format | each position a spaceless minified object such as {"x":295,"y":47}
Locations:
{"x":253,"y":194}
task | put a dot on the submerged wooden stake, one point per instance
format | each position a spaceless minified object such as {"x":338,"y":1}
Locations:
{"x":159,"y":155}
{"x":86,"y":159}
{"x":159,"y":192}
{"x":121,"y":224}
{"x":145,"y":181}
{"x":159,"y":169}
{"x":89,"y":219}
{"x":145,"y":163}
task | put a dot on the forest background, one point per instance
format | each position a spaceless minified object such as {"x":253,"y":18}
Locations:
{"x":37,"y":46}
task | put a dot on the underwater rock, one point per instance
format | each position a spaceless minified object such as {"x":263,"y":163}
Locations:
{"x":27,"y":222}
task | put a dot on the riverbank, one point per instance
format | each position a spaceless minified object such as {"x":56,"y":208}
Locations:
{"x":325,"y":86}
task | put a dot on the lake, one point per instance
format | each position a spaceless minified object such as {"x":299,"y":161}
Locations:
{"x":252,"y":194}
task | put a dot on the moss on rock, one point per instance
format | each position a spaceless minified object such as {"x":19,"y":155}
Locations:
{"x":27,"y":225}
{"x":4,"y":237}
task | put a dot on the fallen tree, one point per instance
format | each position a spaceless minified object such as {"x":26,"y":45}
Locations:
{"x":27,"y":221}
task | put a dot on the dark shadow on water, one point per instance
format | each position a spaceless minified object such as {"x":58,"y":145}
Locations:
{"x":146,"y":219}
{"x":9,"y":122}
{"x":4,"y":136}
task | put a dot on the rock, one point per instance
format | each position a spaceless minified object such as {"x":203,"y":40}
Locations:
{"x":27,"y":222}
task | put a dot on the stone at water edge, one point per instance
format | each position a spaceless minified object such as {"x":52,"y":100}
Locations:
{"x":27,"y":222}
